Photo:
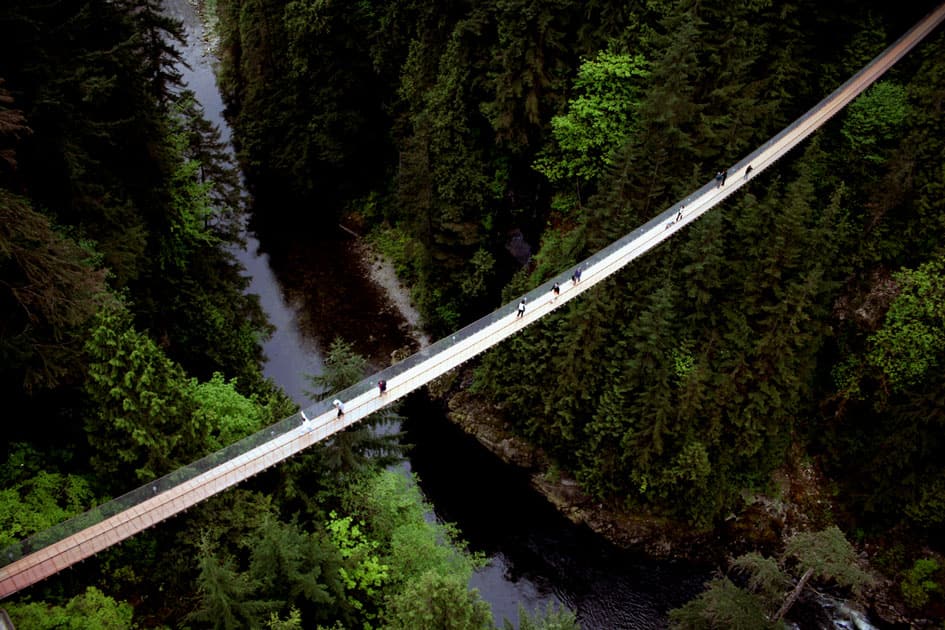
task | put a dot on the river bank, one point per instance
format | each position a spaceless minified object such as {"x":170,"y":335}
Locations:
{"x":797,"y":501}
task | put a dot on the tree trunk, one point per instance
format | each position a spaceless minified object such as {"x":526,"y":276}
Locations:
{"x":793,"y":596}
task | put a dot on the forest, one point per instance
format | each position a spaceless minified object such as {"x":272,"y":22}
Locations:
{"x":800,"y":327}
{"x":802,"y":324}
{"x":130,"y":347}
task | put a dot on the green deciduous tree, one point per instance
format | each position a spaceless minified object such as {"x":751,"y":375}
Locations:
{"x":231,"y":415}
{"x":920,"y":583}
{"x":37,"y":503}
{"x":601,"y":116}
{"x":395,"y":513}
{"x":363,"y":572}
{"x":911,"y":342}
{"x":438,"y":601}
{"x":92,"y":610}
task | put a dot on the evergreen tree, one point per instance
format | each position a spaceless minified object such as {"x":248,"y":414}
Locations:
{"x":142,"y":421}
{"x":361,"y":447}
{"x":226,"y":596}
{"x":50,"y":288}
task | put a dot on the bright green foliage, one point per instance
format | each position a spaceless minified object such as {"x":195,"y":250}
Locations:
{"x":600,"y":117}
{"x":363,"y":572}
{"x":231,"y":415}
{"x":552,"y":618}
{"x":35,"y":504}
{"x":920,"y":583}
{"x":911,"y":342}
{"x":92,"y":610}
{"x":395,"y":511}
{"x":144,"y":422}
{"x":723,"y":606}
{"x":438,"y":601}
{"x":874,"y":119}
{"x":292,"y":622}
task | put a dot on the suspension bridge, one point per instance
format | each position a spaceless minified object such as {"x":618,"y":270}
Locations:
{"x":72,"y":541}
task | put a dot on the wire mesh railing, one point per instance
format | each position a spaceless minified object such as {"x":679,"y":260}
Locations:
{"x":598,"y":266}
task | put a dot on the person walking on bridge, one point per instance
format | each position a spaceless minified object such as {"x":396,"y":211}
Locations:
{"x":521,"y":309}
{"x":340,"y":406}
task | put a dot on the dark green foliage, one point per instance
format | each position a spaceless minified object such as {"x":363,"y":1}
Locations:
{"x":722,"y":605}
{"x":830,"y":555}
{"x":671,"y":388}
{"x":551,"y":618}
{"x":771,"y":586}
{"x":141,"y":424}
{"x":366,"y":445}
{"x":287,"y":563}
{"x":226,"y":596}
{"x":302,"y":56}
{"x":438,"y":601}
{"x":49,"y":292}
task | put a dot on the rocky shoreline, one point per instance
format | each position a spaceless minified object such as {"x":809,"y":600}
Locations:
{"x":799,"y":502}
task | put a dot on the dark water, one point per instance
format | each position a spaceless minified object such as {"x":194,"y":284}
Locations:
{"x":537,"y":556}
{"x":313,"y":290}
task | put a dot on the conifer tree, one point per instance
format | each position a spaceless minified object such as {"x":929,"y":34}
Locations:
{"x":142,"y":419}
{"x":226,"y":596}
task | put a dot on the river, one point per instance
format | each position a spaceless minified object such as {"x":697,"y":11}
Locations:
{"x":313,"y":291}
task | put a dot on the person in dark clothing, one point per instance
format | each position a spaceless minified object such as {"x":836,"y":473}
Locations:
{"x":748,"y":171}
{"x":718,"y":179}
{"x":382,"y":386}
{"x":724,"y":176}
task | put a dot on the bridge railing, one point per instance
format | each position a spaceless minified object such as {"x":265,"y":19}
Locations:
{"x":759,"y":159}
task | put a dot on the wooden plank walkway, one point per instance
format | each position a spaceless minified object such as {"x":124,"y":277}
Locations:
{"x":110,"y":531}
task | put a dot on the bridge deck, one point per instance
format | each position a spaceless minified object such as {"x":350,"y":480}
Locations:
{"x":319,"y":421}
